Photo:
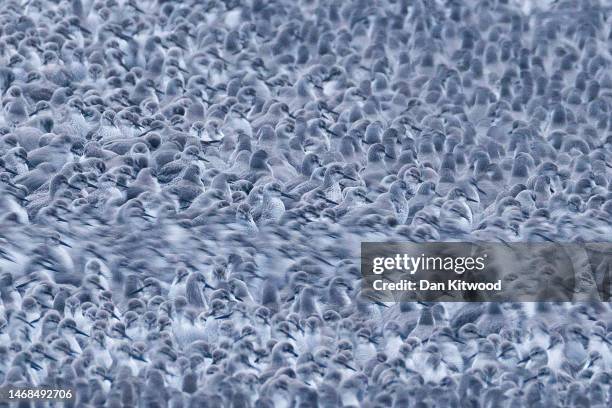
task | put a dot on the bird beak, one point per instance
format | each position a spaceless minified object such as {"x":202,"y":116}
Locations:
{"x":6,"y":256}
{"x":327,"y":200}
{"x":24,"y":321}
{"x":286,"y":333}
{"x":136,"y":8}
{"x":209,"y":142}
{"x":85,"y":30}
{"x":10,"y":183}
{"x":135,"y":291}
{"x":287,"y":196}
{"x":64,"y":243}
{"x":26,"y":283}
{"x":544,"y":237}
{"x":146,"y":132}
{"x":322,"y":259}
{"x":139,"y":358}
{"x":50,"y":357}
{"x":34,"y":365}
{"x":349,"y":177}
{"x":165,"y":352}
{"x":82,"y":333}
{"x":331,"y":132}
{"x":203,"y":159}
{"x":14,"y":173}
{"x":471,"y":199}
{"x":69,"y":351}
{"x":368,"y":200}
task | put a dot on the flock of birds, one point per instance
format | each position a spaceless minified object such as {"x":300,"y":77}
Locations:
{"x":184,"y":186}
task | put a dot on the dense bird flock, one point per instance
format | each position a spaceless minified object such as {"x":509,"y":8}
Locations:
{"x":184,"y":186}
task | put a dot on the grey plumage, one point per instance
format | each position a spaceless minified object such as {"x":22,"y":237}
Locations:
{"x":184,"y":187}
